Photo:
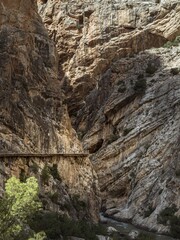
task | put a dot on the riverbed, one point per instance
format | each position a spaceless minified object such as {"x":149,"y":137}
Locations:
{"x":126,"y":228}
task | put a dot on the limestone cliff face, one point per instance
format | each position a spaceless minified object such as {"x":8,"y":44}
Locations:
{"x":106,"y":30}
{"x":33,"y":115}
{"x":123,"y":99}
{"x":135,"y":139}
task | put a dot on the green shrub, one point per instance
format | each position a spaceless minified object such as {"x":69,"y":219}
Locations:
{"x":177,"y":172}
{"x":151,"y":68}
{"x":55,"y":226}
{"x":160,"y":191}
{"x":140,"y":86}
{"x":115,"y":236}
{"x":78,"y":203}
{"x":54,"y":172}
{"x":149,"y":211}
{"x":122,"y":87}
{"x":166,"y":215}
{"x":22,"y":176}
{"x":54,"y":197}
{"x":132,"y":174}
{"x":80,"y":135}
{"x":112,"y":138}
{"x":65,"y":206}
{"x":175,"y":71}
{"x":169,"y":44}
{"x":19,"y":203}
{"x":140,"y":76}
{"x":126,"y":131}
{"x":175,"y":226}
{"x":174,"y":43}
{"x":34,"y":168}
{"x":45,"y":174}
{"x":145,"y":236}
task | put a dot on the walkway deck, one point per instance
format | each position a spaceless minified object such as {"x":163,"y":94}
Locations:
{"x":42,"y":155}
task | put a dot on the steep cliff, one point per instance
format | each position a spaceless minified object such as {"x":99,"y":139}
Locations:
{"x":33,"y":116}
{"x":122,"y":98}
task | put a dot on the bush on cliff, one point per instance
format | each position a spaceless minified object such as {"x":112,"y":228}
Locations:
{"x":56,"y":226}
{"x":145,"y":236}
{"x":140,"y":86}
{"x":45,"y":174}
{"x":174,"y":43}
{"x":167,"y":217}
{"x":18,"y":204}
{"x":175,"y":226}
{"x":166,"y":214}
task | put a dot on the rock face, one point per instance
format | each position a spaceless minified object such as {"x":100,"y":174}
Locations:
{"x":68,"y":185}
{"x":33,"y":116}
{"x":109,"y":30}
{"x":137,"y":160}
{"x":122,"y":98}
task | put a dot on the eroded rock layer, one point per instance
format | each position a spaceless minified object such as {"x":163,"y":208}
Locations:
{"x":123,"y":99}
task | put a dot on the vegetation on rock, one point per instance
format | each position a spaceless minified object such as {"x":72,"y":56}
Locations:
{"x":168,"y":217}
{"x":174,"y":43}
{"x":49,"y":171}
{"x":149,"y":211}
{"x":145,"y":236}
{"x":19,"y":203}
{"x":45,"y":174}
{"x":175,"y":71}
{"x":56,"y":226}
{"x":140,"y":86}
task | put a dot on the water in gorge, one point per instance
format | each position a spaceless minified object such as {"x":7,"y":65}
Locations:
{"x":125,"y":228}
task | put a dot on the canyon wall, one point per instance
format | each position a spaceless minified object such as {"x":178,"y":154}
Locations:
{"x":34,"y":117}
{"x":123,"y":99}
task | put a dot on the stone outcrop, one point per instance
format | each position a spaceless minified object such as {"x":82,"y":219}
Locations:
{"x":33,"y":116}
{"x":123,"y":99}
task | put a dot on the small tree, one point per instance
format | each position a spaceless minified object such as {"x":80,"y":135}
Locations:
{"x":19,"y":203}
{"x":140,"y":86}
{"x":39,"y":236}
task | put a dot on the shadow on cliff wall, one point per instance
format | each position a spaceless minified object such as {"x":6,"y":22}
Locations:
{"x":127,"y":79}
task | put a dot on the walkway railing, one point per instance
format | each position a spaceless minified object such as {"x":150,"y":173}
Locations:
{"x":42,"y":155}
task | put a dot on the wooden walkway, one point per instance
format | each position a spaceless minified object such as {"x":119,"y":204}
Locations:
{"x":42,"y":155}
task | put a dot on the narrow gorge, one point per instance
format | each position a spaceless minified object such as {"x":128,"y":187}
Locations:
{"x":90,"y":92}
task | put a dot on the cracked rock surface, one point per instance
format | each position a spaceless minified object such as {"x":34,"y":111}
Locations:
{"x":123,"y":99}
